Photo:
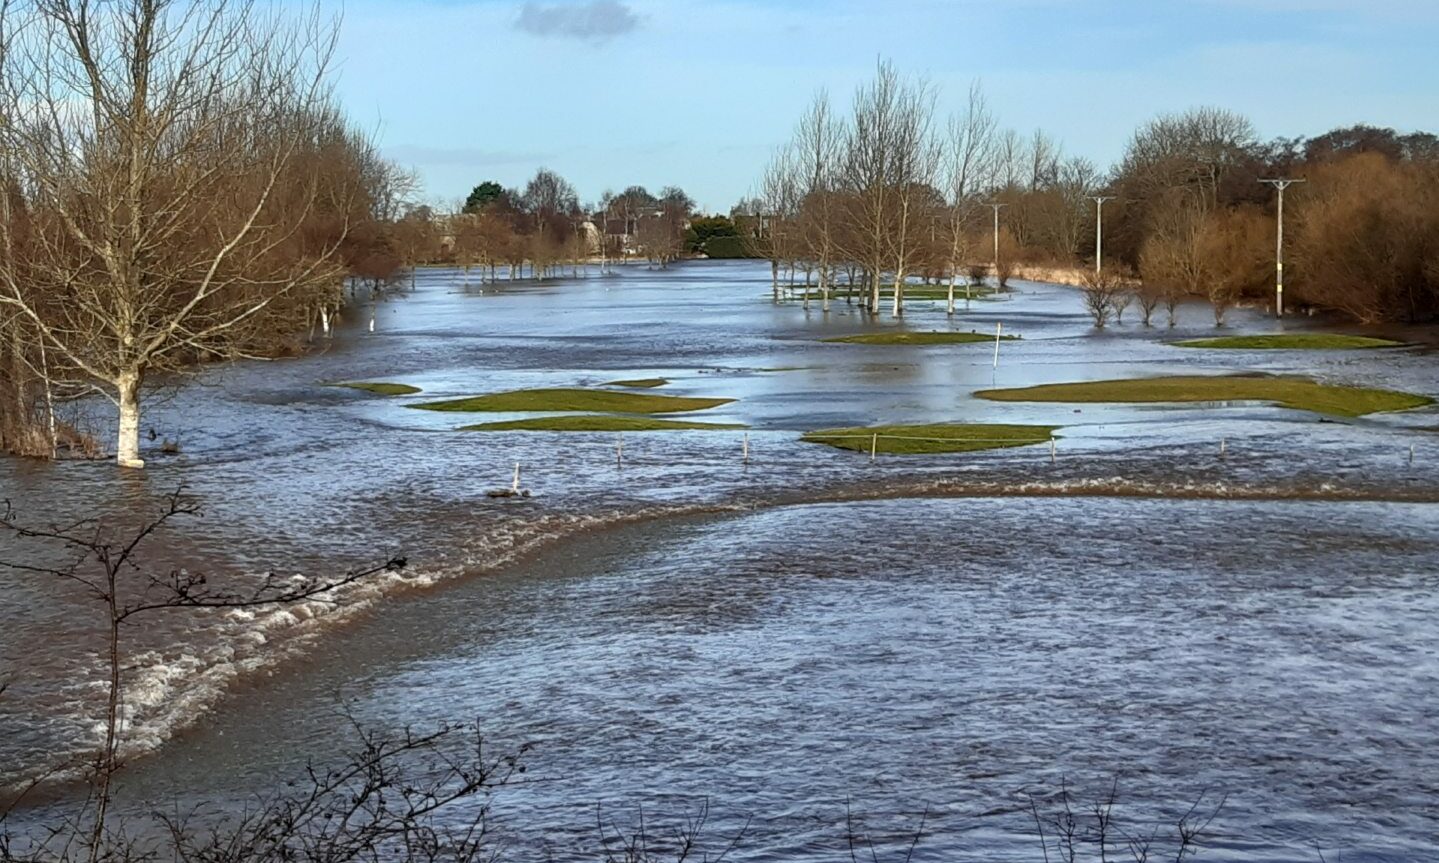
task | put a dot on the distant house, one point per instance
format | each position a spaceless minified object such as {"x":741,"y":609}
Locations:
{"x":624,"y":231}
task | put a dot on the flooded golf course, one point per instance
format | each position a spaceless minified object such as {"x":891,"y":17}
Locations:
{"x":1227,"y":601}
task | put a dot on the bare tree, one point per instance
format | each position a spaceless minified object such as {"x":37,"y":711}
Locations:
{"x":1101,"y":290}
{"x":889,"y":165}
{"x":818,"y":146}
{"x":779,"y":204}
{"x":106,"y":564}
{"x":915,"y":160}
{"x":969,"y":168}
{"x":1238,"y":255}
{"x":164,"y":158}
{"x":1174,"y":257}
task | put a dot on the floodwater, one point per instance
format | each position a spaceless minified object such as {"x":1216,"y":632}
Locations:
{"x":938,"y":632}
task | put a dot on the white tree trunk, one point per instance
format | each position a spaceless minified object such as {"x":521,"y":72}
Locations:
{"x":128,"y":444}
{"x":951,"y":293}
{"x":49,"y":400}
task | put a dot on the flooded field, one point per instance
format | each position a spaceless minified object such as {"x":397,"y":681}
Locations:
{"x":780,"y":635}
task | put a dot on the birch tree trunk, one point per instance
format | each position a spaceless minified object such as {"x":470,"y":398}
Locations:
{"x":127,"y":452}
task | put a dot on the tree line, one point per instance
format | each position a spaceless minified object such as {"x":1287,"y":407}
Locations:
{"x":892,"y":190}
{"x":179,"y":186}
{"x":544,"y":227}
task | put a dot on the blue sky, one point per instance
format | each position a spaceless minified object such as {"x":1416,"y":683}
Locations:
{"x":698,"y":92}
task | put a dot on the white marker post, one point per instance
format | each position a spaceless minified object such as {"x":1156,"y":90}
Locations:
{"x":515,"y":486}
{"x":998,"y":328}
{"x":746,"y":448}
{"x":873,"y":445}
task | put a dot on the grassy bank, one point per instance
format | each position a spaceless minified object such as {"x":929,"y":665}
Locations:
{"x":597,"y":423}
{"x":381,"y":389}
{"x":919,"y":293}
{"x":931,"y":438}
{"x":573,"y":400}
{"x":1291,"y":342}
{"x":639,"y":383}
{"x":1298,"y":393}
{"x":941,"y":292}
{"x":912,"y":338}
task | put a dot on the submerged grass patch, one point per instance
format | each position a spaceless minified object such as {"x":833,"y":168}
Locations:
{"x":1292,"y":341}
{"x":573,"y":400}
{"x":931,"y":437}
{"x":941,"y":292}
{"x":597,"y":423}
{"x":912,"y":338}
{"x":382,"y":389}
{"x":639,"y":383}
{"x":1298,"y":393}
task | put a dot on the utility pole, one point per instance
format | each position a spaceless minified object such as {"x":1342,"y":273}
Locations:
{"x":1099,"y":229}
{"x":997,"y":207}
{"x":1281,"y":184}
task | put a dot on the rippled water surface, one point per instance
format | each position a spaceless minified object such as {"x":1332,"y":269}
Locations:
{"x":780,"y":635}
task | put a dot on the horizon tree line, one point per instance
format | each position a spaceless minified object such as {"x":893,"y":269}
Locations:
{"x":544,"y":227}
{"x":892,"y":191}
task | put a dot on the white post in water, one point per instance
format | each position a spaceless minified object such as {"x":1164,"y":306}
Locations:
{"x":372,"y":322}
{"x":1222,"y":447}
{"x":746,"y":447}
{"x":1052,"y":459}
{"x":873,"y":445}
{"x":1411,"y":455}
{"x":998,"y":328}
{"x":515,"y":486}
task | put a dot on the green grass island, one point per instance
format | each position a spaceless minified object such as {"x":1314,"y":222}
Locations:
{"x":572,"y":401}
{"x":912,"y":338}
{"x":931,"y":438}
{"x":380,"y":388}
{"x":1291,"y":342}
{"x":1291,"y":392}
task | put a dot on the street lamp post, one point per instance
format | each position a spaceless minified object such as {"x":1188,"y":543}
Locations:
{"x":997,"y":207}
{"x":1099,"y":229}
{"x":1281,"y":184}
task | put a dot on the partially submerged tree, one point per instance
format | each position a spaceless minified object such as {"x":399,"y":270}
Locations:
{"x":1238,"y":250}
{"x":1102,"y":292}
{"x":1174,"y":257}
{"x":818,"y":146}
{"x":164,"y":163}
{"x":969,"y":164}
{"x":1365,"y":238}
